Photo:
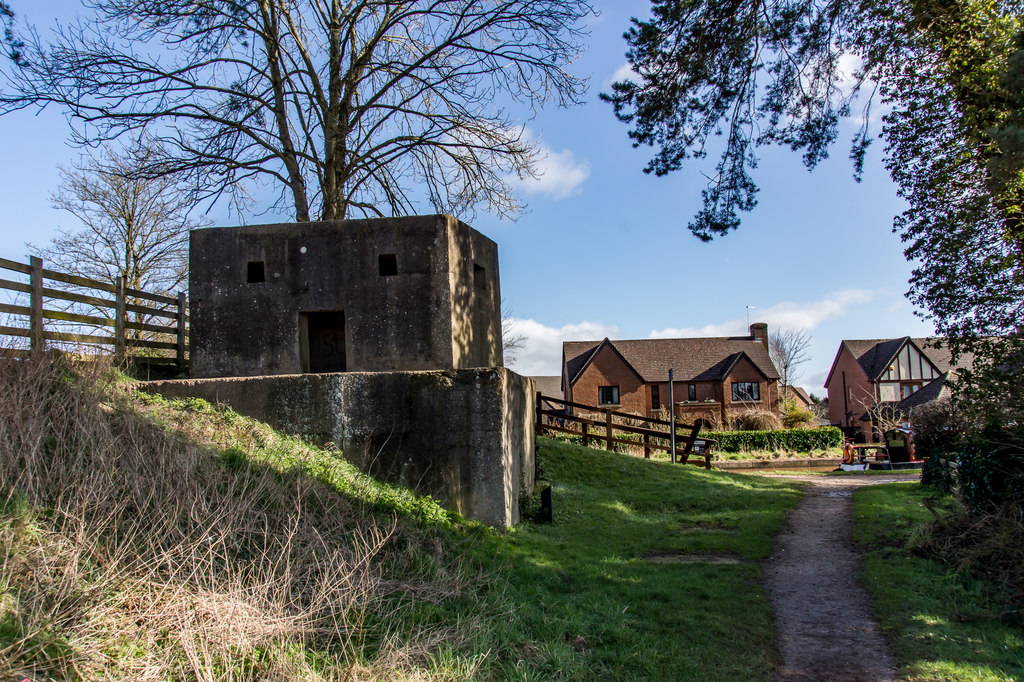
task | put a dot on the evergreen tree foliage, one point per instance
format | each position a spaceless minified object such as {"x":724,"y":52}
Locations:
{"x":951,"y":75}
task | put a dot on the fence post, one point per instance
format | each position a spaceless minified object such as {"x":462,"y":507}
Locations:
{"x":540,"y":415}
{"x":586,"y":435}
{"x":36,"y":339}
{"x":672,"y":414}
{"x":120,"y":311}
{"x":182,"y":312}
{"x":608,"y":430}
{"x":690,"y":441}
{"x":647,"y":446}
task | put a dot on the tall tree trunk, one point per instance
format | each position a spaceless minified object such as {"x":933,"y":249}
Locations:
{"x":296,"y":183}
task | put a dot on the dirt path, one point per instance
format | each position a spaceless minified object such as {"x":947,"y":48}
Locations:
{"x":822,"y":613}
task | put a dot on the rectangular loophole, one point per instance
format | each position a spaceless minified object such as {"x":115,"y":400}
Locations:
{"x":479,"y":276}
{"x":388,"y":264}
{"x":255,"y":272}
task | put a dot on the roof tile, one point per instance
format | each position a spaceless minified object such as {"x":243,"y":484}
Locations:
{"x":694,"y":359}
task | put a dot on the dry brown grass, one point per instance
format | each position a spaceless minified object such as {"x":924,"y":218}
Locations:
{"x":989,"y":546}
{"x":131,"y":551}
{"x":755,"y":420}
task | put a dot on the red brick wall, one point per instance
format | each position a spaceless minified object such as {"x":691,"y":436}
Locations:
{"x":706,"y":406}
{"x":846,"y":409}
{"x":608,"y":369}
{"x":746,"y":371}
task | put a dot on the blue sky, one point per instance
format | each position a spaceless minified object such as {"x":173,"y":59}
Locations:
{"x":604,"y":249}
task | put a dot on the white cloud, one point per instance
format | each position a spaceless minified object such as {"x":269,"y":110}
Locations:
{"x":789,"y":315}
{"x":848,"y":66}
{"x":542,"y":351}
{"x":560,"y":175}
{"x":625,"y":72}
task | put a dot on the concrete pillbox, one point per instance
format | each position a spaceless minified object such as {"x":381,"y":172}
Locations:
{"x":465,"y":437}
{"x":389,"y":294}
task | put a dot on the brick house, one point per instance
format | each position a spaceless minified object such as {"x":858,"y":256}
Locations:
{"x":899,"y":374}
{"x":714,"y":378}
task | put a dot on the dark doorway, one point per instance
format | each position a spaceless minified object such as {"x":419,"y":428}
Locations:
{"x":325,"y":341}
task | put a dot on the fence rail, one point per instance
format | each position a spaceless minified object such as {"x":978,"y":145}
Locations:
{"x":160,"y":315}
{"x":602,"y":430}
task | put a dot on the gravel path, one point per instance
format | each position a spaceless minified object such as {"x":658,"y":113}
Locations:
{"x":822,"y":613}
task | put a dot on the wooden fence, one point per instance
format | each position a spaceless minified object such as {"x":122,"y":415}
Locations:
{"x":655,"y":434}
{"x":127,"y":339}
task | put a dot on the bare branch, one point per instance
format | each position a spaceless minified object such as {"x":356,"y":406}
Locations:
{"x":366,"y":107}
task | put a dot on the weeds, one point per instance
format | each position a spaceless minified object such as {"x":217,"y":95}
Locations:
{"x":129,"y":551}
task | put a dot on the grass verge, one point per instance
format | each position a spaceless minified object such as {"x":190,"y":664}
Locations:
{"x":941,"y":625}
{"x":150,"y":539}
{"x":650,"y":570}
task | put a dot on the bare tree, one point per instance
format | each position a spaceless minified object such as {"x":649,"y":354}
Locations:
{"x":133,"y":227}
{"x":788,"y":349}
{"x":511,"y":340}
{"x":346,"y":106}
{"x":884,"y":416}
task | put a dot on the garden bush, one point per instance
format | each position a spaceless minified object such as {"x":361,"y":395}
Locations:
{"x":990,"y":470}
{"x":756,"y":420}
{"x":795,"y":440}
{"x":796,"y":417}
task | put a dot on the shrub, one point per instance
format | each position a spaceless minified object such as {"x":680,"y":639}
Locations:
{"x":938,"y":436}
{"x":990,"y":470}
{"x":756,"y":420}
{"x":796,"y":417}
{"x":796,"y":440}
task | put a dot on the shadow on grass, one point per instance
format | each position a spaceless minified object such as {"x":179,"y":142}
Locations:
{"x":572,"y":600}
{"x":941,"y":625}
{"x":639,"y":619}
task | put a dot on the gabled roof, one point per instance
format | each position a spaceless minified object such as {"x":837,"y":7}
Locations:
{"x":802,"y":394}
{"x":594,"y":352}
{"x":549,"y":386}
{"x":695,"y":359}
{"x":933,"y":390}
{"x":876,"y":355}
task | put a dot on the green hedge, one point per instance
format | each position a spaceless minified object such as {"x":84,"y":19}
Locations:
{"x":794,"y":440}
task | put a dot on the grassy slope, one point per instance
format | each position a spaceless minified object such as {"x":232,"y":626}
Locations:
{"x":942,"y":626}
{"x":453,"y":600}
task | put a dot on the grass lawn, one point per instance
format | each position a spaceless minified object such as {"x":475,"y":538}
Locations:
{"x":942,"y":626}
{"x":585,"y":584}
{"x":170,"y":539}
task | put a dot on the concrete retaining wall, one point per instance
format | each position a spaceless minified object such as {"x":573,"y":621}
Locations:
{"x":465,"y":437}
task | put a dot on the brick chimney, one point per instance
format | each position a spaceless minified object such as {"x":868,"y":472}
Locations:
{"x":759,"y":332}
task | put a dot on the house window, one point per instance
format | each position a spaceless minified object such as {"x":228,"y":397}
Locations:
{"x":255,"y":272}
{"x":746,"y":390}
{"x":691,"y":392}
{"x":608,"y":395}
{"x":910,"y":389}
{"x":655,"y":397}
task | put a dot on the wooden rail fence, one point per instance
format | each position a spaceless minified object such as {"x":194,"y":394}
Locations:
{"x":125,"y":337}
{"x":601,"y":431}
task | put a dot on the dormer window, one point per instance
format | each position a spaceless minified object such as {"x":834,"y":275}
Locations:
{"x":746,"y":391}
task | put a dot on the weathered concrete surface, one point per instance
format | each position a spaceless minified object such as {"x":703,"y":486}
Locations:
{"x":465,"y":437}
{"x":376,"y":295}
